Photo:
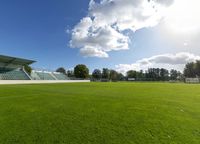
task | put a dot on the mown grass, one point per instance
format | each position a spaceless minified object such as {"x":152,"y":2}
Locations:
{"x":100,"y":113}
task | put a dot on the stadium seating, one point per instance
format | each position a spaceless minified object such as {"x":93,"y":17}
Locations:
{"x":60,"y":76}
{"x":13,"y":68}
{"x":18,"y":74}
{"x":40,"y":75}
{"x":45,"y":76}
{"x":13,"y":75}
{"x":35,"y":76}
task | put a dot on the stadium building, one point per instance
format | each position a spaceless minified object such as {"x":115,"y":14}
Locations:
{"x":12,"y":71}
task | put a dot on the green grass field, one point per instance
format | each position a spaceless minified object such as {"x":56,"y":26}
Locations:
{"x":100,"y":113}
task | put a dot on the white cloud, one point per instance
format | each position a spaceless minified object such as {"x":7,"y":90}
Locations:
{"x":103,"y":30}
{"x":168,"y":61}
{"x":91,"y":52}
{"x":185,"y":44}
{"x":165,"y":2}
{"x":105,"y":27}
{"x":183,"y":16}
{"x":179,"y":58}
{"x":87,"y":36}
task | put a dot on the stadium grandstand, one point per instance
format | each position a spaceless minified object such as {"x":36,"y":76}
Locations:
{"x":47,"y":75}
{"x":12,"y":69}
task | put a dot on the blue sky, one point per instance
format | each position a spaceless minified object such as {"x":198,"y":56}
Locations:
{"x":36,"y":30}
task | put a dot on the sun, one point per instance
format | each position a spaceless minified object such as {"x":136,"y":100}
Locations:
{"x":183,"y":16}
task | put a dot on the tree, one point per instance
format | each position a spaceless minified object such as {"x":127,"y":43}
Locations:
{"x":81,"y":71}
{"x":131,"y":74}
{"x":180,"y":76}
{"x":140,"y":74}
{"x":157,"y":74}
{"x":96,"y":74}
{"x":61,"y":70}
{"x":70,"y":73}
{"x":113,"y":75}
{"x":153,"y":74}
{"x":173,"y":74}
{"x":164,"y":74}
{"x":192,"y":69}
{"x":120,"y":77}
{"x":189,"y":70}
{"x":105,"y":73}
{"x":28,"y":69}
{"x":197,"y":68}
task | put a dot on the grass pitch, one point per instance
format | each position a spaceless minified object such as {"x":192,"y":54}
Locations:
{"x":100,"y":113}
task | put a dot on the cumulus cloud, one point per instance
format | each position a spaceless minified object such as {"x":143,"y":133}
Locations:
{"x":168,"y":61}
{"x":165,"y":2}
{"x":91,"y":52}
{"x":179,"y":58}
{"x":104,"y":28}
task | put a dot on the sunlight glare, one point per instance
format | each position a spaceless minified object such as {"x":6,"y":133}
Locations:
{"x":184,"y":16}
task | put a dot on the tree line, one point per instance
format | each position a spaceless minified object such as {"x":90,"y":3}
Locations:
{"x":81,"y":71}
{"x":152,"y":74}
{"x":191,"y":70}
{"x":155,"y":74}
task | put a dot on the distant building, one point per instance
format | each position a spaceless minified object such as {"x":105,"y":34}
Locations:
{"x":131,"y":79}
{"x":192,"y":80}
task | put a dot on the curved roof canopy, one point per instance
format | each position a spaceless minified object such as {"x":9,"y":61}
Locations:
{"x":8,"y":62}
